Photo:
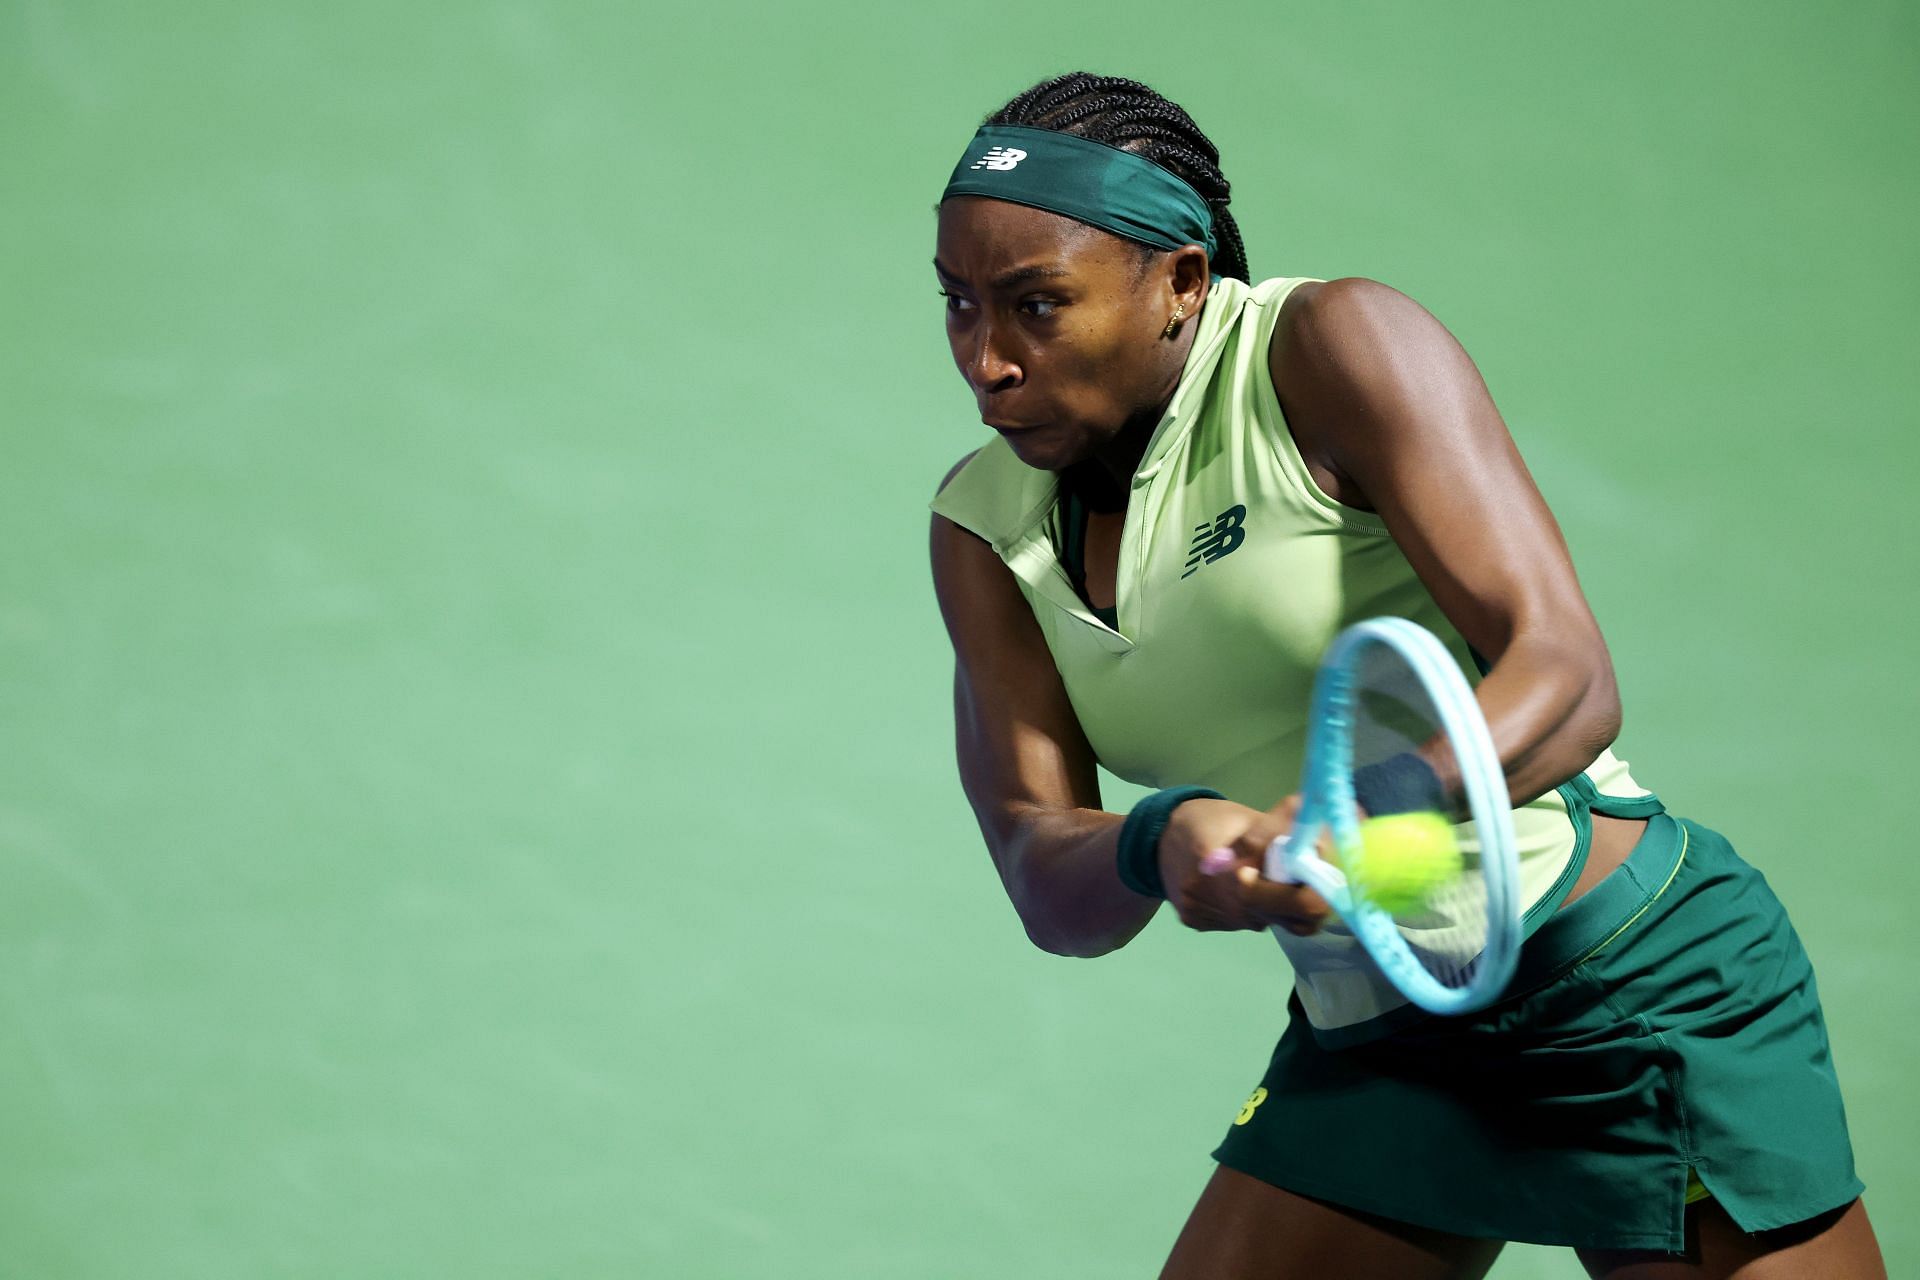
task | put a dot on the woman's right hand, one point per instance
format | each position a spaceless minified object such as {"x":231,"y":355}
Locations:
{"x":1219,"y":894}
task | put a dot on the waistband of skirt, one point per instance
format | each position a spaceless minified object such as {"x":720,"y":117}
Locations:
{"x":1576,"y":931}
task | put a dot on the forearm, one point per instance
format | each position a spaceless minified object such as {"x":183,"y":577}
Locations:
{"x":1059,"y":869}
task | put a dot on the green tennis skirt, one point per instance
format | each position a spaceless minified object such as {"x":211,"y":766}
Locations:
{"x":1663,"y":1027}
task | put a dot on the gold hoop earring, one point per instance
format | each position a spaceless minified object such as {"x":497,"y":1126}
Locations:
{"x":1179,"y":313}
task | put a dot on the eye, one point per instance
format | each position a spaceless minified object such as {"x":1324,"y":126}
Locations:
{"x":955,"y":302}
{"x":1038,"y":308}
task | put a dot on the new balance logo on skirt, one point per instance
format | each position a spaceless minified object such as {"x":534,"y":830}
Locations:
{"x":1001,"y":158}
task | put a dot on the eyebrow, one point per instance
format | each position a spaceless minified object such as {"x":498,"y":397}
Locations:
{"x":1008,"y":279}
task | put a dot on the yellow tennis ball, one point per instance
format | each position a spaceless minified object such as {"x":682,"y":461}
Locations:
{"x":1402,"y":859}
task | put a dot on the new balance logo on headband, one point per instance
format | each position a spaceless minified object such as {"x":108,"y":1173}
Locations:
{"x":1001,"y":158}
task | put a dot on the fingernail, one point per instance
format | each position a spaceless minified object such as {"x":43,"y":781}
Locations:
{"x":1216,"y":862}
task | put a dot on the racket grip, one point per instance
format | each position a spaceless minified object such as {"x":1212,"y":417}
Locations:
{"x":1291,"y":860}
{"x":1276,"y":861}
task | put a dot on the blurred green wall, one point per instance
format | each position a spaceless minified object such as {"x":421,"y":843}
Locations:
{"x":476,"y":792}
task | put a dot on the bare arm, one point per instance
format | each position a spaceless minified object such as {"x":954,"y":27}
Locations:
{"x":1029,"y":773}
{"x":1393,"y":417}
{"x":1024,"y":761}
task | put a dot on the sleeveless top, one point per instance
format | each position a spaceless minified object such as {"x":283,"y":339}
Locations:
{"x":1235,"y":574}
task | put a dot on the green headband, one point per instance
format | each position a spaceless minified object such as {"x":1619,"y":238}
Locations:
{"x":1088,"y":181}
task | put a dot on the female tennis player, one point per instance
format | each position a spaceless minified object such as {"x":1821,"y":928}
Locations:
{"x":1196,"y":482}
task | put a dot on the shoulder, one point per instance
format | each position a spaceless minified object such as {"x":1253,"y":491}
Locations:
{"x":1337,"y":322}
{"x":953,"y":471}
{"x":964,"y":562}
{"x":1362,"y":371}
{"x":1345,"y":350}
{"x":994,"y":495}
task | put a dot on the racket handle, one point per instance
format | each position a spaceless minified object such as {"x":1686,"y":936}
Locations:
{"x":1278,"y":867}
{"x":1303,"y":865}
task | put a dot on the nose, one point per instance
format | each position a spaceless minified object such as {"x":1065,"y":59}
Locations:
{"x":990,"y":367}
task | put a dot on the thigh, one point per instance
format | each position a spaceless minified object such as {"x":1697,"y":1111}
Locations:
{"x":1245,"y":1229}
{"x":1839,"y":1245}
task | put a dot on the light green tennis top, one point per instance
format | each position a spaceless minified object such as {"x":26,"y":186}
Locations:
{"x":1235,"y":574}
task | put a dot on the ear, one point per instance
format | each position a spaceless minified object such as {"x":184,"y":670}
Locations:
{"x":1186,"y":275}
{"x":1189,"y":273}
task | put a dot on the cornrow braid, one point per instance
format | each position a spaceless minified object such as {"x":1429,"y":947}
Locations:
{"x":1127,"y":114}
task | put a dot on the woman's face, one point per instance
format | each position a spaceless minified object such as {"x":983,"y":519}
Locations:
{"x":1055,"y":325}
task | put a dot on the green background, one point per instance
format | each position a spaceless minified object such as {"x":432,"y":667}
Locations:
{"x":476,"y":792}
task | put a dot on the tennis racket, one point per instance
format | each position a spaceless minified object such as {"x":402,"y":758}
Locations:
{"x":1387,"y":689}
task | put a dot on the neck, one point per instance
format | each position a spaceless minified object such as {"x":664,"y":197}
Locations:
{"x":1106,"y":478}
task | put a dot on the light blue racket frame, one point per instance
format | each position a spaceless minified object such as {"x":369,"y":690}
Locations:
{"x":1328,"y":806}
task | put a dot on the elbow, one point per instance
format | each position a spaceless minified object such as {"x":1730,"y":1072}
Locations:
{"x":1056,"y":942}
{"x":1049,"y":928}
{"x":1047,"y":911}
{"x":1592,"y":723}
{"x":1575,"y":709}
{"x":1580,"y":670}
{"x":1602,"y":710}
{"x":1056,"y":867}
{"x":1608,"y":715}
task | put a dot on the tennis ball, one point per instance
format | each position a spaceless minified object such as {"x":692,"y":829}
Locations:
{"x":1403,"y":858}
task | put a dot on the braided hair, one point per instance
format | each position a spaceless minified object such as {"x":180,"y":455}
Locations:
{"x":1127,"y":114}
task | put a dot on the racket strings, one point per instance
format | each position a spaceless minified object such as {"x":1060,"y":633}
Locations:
{"x":1393,"y":716}
{"x":1449,"y":933}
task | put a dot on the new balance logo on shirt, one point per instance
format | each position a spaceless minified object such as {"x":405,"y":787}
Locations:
{"x":1000,"y":158}
{"x":1219,"y":538}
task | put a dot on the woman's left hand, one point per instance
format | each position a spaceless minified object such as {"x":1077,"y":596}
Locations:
{"x":1231,"y":890}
